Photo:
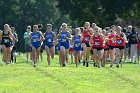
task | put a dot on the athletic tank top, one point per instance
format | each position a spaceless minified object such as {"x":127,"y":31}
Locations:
{"x":77,"y":41}
{"x":64,"y":37}
{"x":119,"y":40}
{"x":97,"y":42}
{"x":6,"y":39}
{"x":49,"y":38}
{"x":112,"y":41}
{"x":35,"y":38}
{"x":86,"y":36}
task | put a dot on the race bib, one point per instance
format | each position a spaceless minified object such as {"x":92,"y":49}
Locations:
{"x":119,"y":42}
{"x":49,"y":40}
{"x":96,"y":43}
{"x":77,"y":45}
{"x":35,"y":40}
{"x":6,"y":40}
{"x":63,"y":40}
{"x":86,"y":39}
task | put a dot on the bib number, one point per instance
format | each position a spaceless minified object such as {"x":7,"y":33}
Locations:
{"x":96,"y":43}
{"x":49,"y":40}
{"x":6,"y":40}
{"x":86,"y":39}
{"x":77,"y":45}
{"x":35,"y":40}
{"x":119,"y":42}
{"x":63,"y":40}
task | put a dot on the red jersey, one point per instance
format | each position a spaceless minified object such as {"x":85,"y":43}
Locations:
{"x":97,"y":42}
{"x":112,"y":41}
{"x":119,"y":40}
{"x":105,"y":45}
{"x":86,"y":36}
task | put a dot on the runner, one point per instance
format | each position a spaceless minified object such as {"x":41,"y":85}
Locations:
{"x":112,"y":44}
{"x":97,"y":41}
{"x":86,"y":35}
{"x":77,"y":46}
{"x":7,"y":38}
{"x":120,"y":43}
{"x":35,"y":42}
{"x":50,"y":42}
{"x":64,"y":37}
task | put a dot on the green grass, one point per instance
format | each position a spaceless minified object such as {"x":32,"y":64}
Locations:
{"x":24,"y":78}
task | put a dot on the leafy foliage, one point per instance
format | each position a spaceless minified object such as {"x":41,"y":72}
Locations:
{"x":20,"y":13}
{"x":103,"y":12}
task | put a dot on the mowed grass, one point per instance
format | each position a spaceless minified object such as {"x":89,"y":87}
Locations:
{"x":24,"y":78}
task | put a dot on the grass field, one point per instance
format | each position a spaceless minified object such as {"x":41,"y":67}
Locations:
{"x":24,"y":78}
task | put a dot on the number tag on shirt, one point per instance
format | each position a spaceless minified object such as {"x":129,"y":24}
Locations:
{"x":49,"y":40}
{"x":6,"y":40}
{"x":63,"y":40}
{"x":119,"y":42}
{"x":35,"y":40}
{"x":77,"y":45}
{"x":96,"y":43}
{"x":86,"y":39}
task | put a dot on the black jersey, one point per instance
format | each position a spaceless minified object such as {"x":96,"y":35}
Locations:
{"x":6,"y":39}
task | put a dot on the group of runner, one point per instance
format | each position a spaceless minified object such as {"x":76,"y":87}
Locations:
{"x":88,"y":42}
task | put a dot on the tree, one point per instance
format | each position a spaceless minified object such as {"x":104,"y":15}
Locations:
{"x":100,"y":11}
{"x":20,"y":13}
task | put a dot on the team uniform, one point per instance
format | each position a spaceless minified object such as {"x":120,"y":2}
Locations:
{"x":77,"y":43}
{"x":111,"y":41}
{"x":6,"y":41}
{"x":106,"y":48}
{"x":120,"y":45}
{"x":98,"y":48}
{"x":86,"y":37}
{"x":35,"y":39}
{"x":63,"y":40}
{"x":49,"y":39}
{"x":120,"y":42}
{"x":98,"y":43}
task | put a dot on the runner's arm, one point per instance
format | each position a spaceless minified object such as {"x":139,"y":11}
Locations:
{"x":55,"y":38}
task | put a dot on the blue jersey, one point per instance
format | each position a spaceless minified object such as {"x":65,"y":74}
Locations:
{"x":64,"y":37}
{"x":77,"y":43}
{"x":36,"y":42}
{"x":49,"y":38}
